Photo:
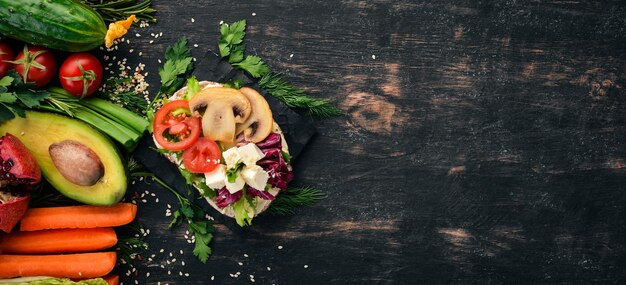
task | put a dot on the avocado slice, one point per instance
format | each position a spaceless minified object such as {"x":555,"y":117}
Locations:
{"x":38,"y":131}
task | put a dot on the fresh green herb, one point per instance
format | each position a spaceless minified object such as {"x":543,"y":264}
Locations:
{"x":15,"y":96}
{"x":114,"y":10}
{"x":232,"y":48}
{"x":234,"y":84}
{"x":177,"y":68}
{"x":253,"y":65}
{"x":288,"y":201}
{"x":191,"y":213}
{"x":231,"y":40}
{"x":295,"y":97}
{"x":129,"y":245}
{"x":121,"y":90}
{"x":231,"y":173}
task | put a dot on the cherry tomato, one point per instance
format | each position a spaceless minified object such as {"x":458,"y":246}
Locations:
{"x":81,"y":74}
{"x":6,"y":55}
{"x":203,"y":156}
{"x":36,"y":65}
{"x":173,"y":127}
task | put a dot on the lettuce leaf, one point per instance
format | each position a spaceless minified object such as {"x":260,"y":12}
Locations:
{"x":50,"y":281}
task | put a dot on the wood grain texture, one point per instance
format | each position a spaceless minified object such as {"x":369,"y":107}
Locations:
{"x":483,"y":142}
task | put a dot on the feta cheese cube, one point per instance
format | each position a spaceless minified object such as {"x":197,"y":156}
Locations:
{"x":231,"y":156}
{"x":235,"y":186}
{"x":216,"y":178}
{"x":250,"y":154}
{"x":255,"y":176}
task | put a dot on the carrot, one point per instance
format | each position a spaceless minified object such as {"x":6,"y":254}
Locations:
{"x":79,"y":265}
{"x":72,"y":217}
{"x":58,"y":241}
{"x":112,"y":279}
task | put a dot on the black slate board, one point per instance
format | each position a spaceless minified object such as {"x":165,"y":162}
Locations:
{"x":298,"y":130}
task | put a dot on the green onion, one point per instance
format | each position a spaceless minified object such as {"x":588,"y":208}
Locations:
{"x":117,"y":113}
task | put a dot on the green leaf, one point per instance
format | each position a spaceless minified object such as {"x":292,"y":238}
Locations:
{"x":5,"y":114}
{"x":202,"y":231}
{"x":178,"y":51}
{"x":254,"y":66}
{"x":234,"y":84}
{"x":8,"y":98}
{"x":236,"y":53}
{"x":243,"y":211}
{"x":31,"y":98}
{"x":6,"y":81}
{"x":177,"y":219}
{"x":17,"y":110}
{"x":187,"y":211}
{"x":231,"y":173}
{"x":193,"y":87}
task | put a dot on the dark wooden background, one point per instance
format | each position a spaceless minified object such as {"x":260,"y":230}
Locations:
{"x":482,"y":142}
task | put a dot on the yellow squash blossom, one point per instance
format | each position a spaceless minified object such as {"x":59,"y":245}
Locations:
{"x":118,"y":29}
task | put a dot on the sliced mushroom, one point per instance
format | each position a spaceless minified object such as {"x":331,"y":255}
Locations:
{"x":221,"y":109}
{"x":259,"y":125}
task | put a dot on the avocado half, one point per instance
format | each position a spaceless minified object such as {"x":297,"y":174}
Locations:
{"x":40,"y":130}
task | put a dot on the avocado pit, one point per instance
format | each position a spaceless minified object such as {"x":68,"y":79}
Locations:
{"x":76,"y":162}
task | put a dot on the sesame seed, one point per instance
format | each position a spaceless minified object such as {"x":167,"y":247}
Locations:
{"x":186,"y":274}
{"x":269,"y":269}
{"x":245,"y":255}
{"x":195,"y":45}
{"x":280,"y":247}
{"x":240,"y":263}
{"x":373,"y":56}
{"x":212,"y":277}
{"x":306,"y":266}
{"x":193,"y":20}
{"x":253,"y":14}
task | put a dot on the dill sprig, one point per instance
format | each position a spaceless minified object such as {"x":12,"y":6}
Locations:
{"x":114,"y":10}
{"x":130,"y":244}
{"x":232,"y":48}
{"x":120,"y":90}
{"x":295,"y":97}
{"x":288,"y":201}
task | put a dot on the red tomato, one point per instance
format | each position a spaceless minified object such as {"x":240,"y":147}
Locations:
{"x":6,"y":55}
{"x":81,"y":74}
{"x":173,"y":128}
{"x":36,"y":65}
{"x":202,"y":157}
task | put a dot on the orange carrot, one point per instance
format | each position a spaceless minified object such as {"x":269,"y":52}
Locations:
{"x":79,"y":265}
{"x":112,"y":279}
{"x":82,"y":217}
{"x":58,"y":241}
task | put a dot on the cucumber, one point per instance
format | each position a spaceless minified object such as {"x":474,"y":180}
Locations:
{"x":65,"y":25}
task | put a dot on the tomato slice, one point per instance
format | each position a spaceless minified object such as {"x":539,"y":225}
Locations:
{"x":173,"y":127}
{"x":202,"y":157}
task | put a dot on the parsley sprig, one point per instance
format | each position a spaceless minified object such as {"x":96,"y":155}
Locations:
{"x":192,"y":214}
{"x":174,"y":73}
{"x":15,"y":96}
{"x":232,"y":48}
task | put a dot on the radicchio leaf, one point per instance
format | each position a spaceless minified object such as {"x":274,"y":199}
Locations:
{"x":274,"y":163}
{"x":224,"y":198}
{"x":262,"y":194}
